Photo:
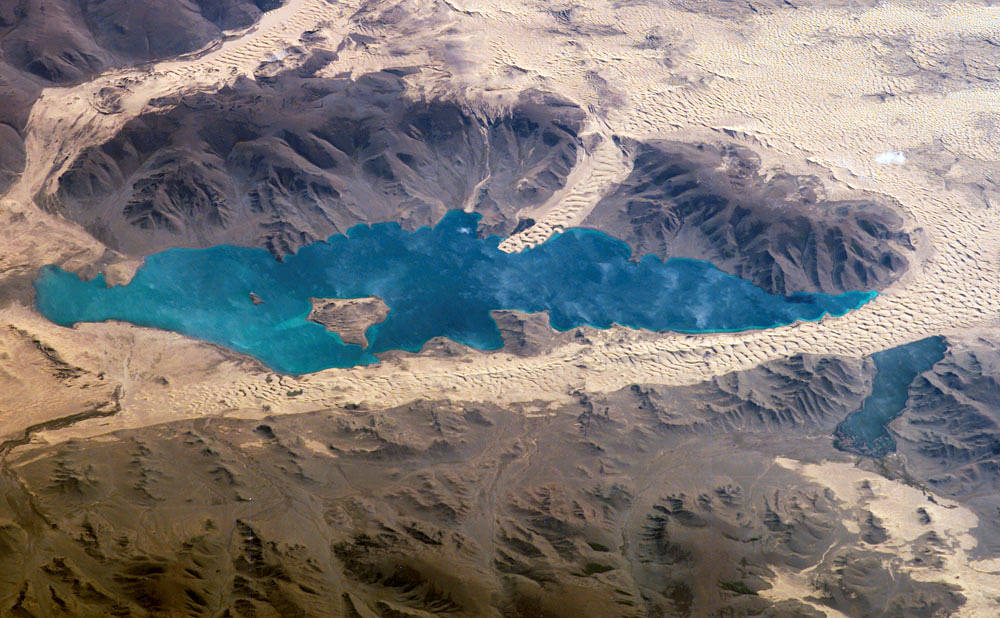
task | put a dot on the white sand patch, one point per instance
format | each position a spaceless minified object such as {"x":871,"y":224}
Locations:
{"x":318,"y":447}
{"x":890,"y":157}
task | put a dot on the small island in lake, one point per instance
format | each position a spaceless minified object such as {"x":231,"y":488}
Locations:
{"x":349,"y":317}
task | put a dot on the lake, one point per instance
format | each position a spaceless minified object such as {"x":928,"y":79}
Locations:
{"x":441,"y":281}
{"x":865,"y":432}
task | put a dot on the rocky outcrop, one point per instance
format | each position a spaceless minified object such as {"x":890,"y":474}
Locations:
{"x":723,"y":9}
{"x":17,"y":94}
{"x":527,"y":334}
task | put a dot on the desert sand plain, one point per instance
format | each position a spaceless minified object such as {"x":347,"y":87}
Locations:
{"x":818,"y":90}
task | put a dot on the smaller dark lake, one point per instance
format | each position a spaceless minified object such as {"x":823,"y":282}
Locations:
{"x":440,"y":281}
{"x":865,"y":432}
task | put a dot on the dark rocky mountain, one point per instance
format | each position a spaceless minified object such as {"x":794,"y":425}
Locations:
{"x":802,"y":393}
{"x":283,"y":161}
{"x":17,"y":93}
{"x":286,"y":161}
{"x":65,"y":42}
{"x":710,"y":202}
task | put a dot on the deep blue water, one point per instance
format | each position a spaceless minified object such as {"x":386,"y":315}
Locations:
{"x":440,"y":281}
{"x":864,"y":432}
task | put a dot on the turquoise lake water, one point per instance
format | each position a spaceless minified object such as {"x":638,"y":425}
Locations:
{"x":440,"y":281}
{"x":864,"y":432}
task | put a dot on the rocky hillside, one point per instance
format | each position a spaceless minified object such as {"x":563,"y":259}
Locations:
{"x":652,"y":501}
{"x":285,"y":161}
{"x":713,"y":202}
{"x":63,"y":42}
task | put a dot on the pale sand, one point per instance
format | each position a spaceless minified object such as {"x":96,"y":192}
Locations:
{"x":896,"y":504}
{"x":800,"y":86}
{"x":598,"y":169}
{"x":788,"y":584}
{"x":35,"y":387}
